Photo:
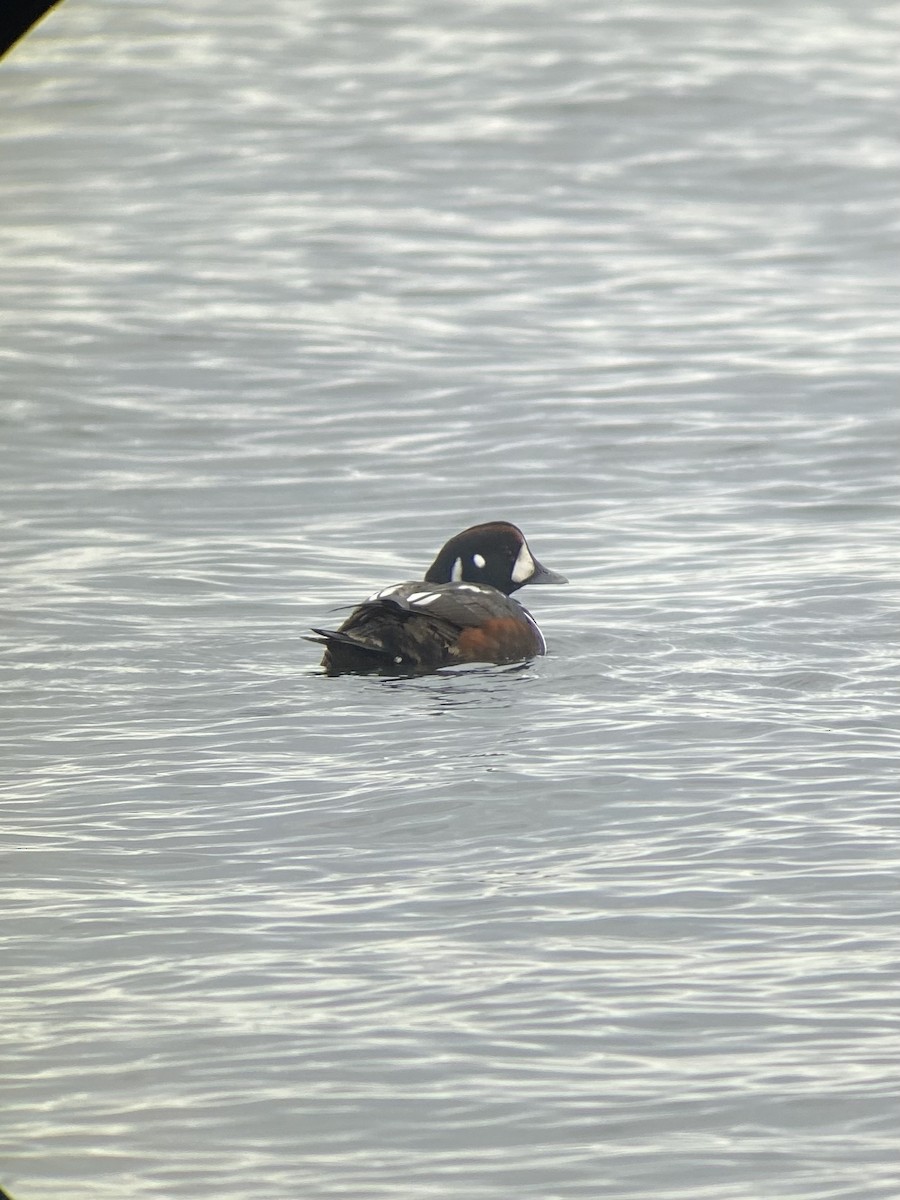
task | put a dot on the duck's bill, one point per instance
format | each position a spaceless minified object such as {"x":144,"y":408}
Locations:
{"x":543,"y":574}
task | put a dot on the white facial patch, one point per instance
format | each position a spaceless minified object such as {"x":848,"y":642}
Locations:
{"x":523,"y":567}
{"x":456,"y":573}
{"x":478,"y":560}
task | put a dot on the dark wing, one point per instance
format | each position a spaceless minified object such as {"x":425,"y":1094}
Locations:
{"x":423,"y":627}
{"x":459,"y":604}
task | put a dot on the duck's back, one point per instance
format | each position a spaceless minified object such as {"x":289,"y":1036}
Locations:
{"x":418,"y":626}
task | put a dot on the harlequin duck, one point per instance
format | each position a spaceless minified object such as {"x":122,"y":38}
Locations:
{"x":461,"y":612}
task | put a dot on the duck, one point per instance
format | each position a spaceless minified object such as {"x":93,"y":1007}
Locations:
{"x":461,"y":612}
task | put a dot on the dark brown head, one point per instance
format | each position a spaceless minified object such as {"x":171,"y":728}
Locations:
{"x":496,"y":554}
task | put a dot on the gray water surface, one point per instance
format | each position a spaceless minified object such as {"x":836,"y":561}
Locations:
{"x":289,"y":295}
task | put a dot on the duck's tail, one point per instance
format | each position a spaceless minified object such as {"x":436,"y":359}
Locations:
{"x":344,"y":652}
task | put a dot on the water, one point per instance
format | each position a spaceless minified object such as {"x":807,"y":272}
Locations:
{"x":290,"y":295}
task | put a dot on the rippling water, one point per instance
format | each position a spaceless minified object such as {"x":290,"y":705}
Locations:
{"x":291,"y":294}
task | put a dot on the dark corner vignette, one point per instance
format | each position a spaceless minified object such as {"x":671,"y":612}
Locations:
{"x":16,"y":19}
